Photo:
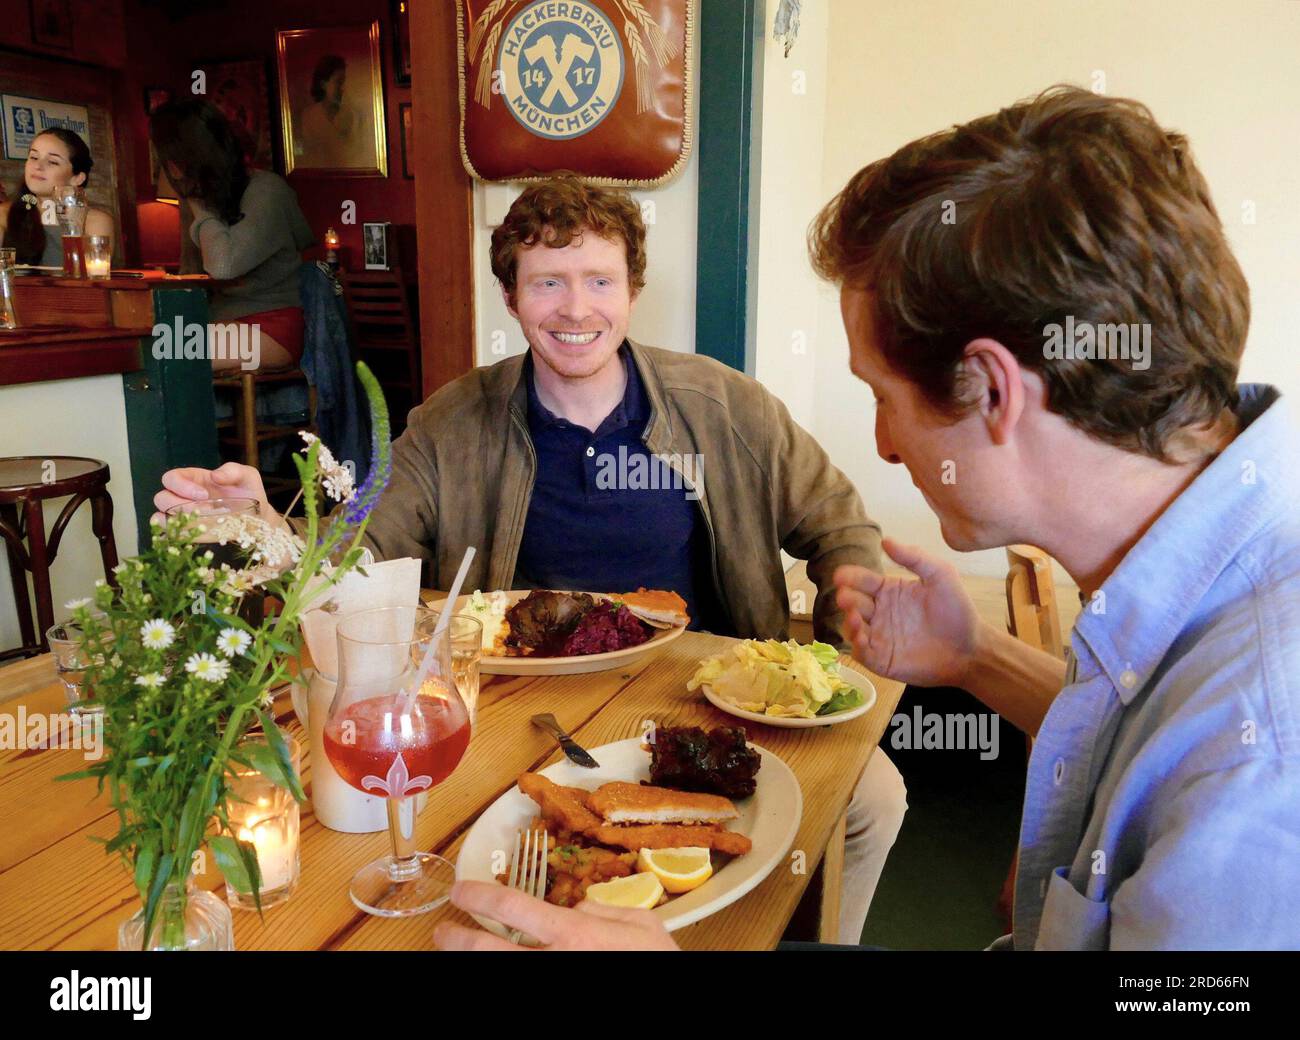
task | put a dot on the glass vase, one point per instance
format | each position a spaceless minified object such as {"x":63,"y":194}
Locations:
{"x":187,"y":919}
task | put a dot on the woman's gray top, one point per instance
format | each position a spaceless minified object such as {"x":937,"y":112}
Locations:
{"x":261,"y":252}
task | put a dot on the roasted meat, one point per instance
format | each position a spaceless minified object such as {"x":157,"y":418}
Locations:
{"x":718,"y":762}
{"x":542,"y":620}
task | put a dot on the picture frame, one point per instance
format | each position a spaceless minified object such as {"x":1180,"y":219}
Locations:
{"x":239,"y":91}
{"x":52,"y":23}
{"x":332,"y":112}
{"x":374,"y":245}
{"x":401,"y":43}
{"x":407,"y":125}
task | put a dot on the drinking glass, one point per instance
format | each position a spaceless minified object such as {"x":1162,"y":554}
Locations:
{"x":218,"y":533}
{"x":70,"y":205}
{"x":386,"y":739}
{"x":466,"y":652}
{"x":99,"y":256}
{"x":8,"y":318}
{"x":67,"y":644}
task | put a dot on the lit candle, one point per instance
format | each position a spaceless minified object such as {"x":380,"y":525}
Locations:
{"x":276,"y":851}
{"x":97,"y":268}
{"x":331,"y":239}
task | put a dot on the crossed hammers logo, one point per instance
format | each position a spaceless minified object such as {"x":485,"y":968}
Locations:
{"x":559,"y":60}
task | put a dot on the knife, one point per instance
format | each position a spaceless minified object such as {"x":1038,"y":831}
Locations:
{"x":567,"y":743}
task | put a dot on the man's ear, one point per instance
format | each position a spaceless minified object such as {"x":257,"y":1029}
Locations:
{"x":993,"y":383}
{"x":509,"y":296}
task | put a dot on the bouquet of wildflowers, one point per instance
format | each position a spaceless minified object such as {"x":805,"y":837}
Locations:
{"x":183,"y":677}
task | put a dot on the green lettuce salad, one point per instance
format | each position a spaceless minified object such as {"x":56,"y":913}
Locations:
{"x":780,"y":679}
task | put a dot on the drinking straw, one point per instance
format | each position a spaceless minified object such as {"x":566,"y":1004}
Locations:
{"x":444,"y":619}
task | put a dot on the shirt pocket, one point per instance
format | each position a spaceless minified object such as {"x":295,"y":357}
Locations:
{"x":1072,"y":921}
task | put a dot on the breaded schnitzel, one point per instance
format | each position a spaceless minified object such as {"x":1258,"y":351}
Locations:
{"x":566,"y":807}
{"x":671,"y":836}
{"x":620,"y":802}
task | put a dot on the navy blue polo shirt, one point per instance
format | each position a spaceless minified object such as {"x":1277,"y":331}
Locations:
{"x":605,"y":514}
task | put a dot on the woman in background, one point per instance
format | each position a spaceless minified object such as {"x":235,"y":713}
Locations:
{"x":246,"y":224}
{"x":56,"y":158}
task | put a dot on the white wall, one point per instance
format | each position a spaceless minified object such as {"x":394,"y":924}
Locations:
{"x":69,"y":417}
{"x":794,"y":127}
{"x":1227,"y":75}
{"x":663,"y":315}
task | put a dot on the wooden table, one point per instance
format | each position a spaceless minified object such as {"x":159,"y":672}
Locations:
{"x":58,"y":890}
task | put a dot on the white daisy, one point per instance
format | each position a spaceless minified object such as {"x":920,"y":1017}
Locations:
{"x":207,"y":668}
{"x":232,"y":642}
{"x":157,"y":634}
{"x":152,"y":680}
{"x":77,"y":604}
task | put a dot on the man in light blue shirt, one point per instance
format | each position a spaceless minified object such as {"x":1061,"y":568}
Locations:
{"x":1048,"y":313}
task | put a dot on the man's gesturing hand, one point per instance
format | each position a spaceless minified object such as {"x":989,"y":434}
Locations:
{"x":588,"y":927}
{"x":916,"y":631}
{"x":192,"y":484}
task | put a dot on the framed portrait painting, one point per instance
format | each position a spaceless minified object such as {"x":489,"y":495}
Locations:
{"x":332,"y":101}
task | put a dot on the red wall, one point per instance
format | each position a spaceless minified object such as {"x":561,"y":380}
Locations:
{"x":168,"y":50}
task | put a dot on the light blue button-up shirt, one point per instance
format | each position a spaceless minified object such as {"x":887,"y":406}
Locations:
{"x":1162,"y":809}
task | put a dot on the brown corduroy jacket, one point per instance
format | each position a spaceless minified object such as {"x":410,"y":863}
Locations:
{"x":463,"y":472}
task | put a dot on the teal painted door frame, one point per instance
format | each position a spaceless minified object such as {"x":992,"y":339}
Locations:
{"x":728,"y":143}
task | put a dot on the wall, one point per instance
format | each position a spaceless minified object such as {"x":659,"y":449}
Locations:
{"x":1224,"y":74}
{"x":664,"y":314}
{"x":38,"y":420}
{"x":793,"y":128}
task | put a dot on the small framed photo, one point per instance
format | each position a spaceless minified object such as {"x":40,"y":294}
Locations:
{"x":51,"y":23}
{"x":374,"y":238}
{"x":408,"y":145}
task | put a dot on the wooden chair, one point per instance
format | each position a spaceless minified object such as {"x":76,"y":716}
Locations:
{"x":246,"y":433}
{"x":26,"y":483}
{"x":1033,"y":618}
{"x":384,"y":334}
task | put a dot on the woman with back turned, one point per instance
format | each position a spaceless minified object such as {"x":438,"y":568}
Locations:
{"x":246,"y":224}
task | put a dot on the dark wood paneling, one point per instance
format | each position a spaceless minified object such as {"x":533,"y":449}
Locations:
{"x":444,"y":200}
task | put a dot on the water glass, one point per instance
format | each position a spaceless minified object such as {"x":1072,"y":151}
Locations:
{"x":66,"y":644}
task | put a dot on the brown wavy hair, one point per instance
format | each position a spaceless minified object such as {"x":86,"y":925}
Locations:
{"x":1066,"y":204}
{"x":559,"y":209}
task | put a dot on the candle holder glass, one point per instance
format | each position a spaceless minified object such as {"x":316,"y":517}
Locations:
{"x":265,"y":814}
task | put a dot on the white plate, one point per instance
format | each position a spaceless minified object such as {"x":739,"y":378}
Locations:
{"x":849,"y":675}
{"x":769,"y":817}
{"x":490,"y":665}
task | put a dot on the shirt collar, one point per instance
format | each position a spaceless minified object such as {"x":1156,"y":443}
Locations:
{"x":1156,"y":590}
{"x":632,"y":408}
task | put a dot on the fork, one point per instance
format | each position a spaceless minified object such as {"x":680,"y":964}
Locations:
{"x":528,"y":870}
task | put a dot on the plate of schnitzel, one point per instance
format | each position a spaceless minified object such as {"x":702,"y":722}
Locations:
{"x":547,"y":632}
{"x":611,"y":813}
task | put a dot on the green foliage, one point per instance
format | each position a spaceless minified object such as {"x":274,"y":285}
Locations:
{"x":180,"y":688}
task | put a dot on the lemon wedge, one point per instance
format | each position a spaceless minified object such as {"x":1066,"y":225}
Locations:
{"x":678,"y":870}
{"x":637,"y":891}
